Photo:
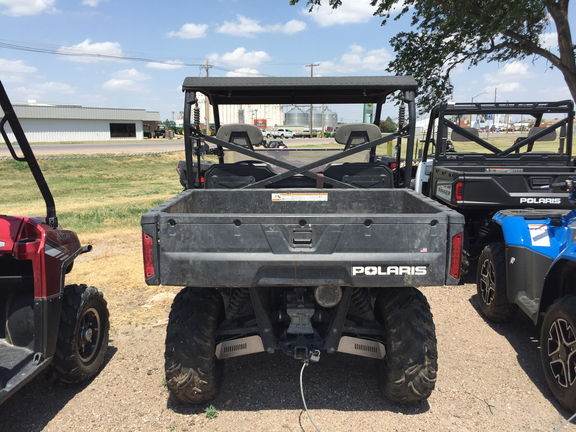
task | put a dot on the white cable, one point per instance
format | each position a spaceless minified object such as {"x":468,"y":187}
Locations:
{"x":302,"y":391}
{"x":565,"y":423}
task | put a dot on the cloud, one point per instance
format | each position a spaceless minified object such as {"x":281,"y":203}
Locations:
{"x":190,"y":31}
{"x":168,"y":65}
{"x":357,"y":58}
{"x":506,"y":87}
{"x":77,"y":53}
{"x":92,"y":3}
{"x":240,"y":58}
{"x":14,"y":71}
{"x":248,"y":27}
{"x":38,"y":91}
{"x":243,"y":72}
{"x":58,"y":87}
{"x":359,"y":11}
{"x":16,"y":66}
{"x":549,"y":41}
{"x":18,"y":8}
{"x":510,"y":71}
{"x":292,"y":26}
{"x":127,"y":80}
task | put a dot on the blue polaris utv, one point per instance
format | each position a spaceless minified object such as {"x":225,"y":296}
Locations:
{"x":531,"y":266}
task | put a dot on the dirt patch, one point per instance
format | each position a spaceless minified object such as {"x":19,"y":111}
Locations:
{"x":489,"y":378}
{"x":115,"y":267}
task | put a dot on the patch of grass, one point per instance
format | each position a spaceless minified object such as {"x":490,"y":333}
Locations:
{"x":17,"y":165}
{"x":93,"y":194}
{"x":109,"y":216}
{"x":211,"y":412}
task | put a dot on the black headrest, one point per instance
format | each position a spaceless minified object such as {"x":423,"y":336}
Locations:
{"x":245,"y":135}
{"x":357,"y":133}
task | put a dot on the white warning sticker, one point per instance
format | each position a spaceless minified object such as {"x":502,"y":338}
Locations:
{"x":539,"y":235}
{"x":299,"y":197}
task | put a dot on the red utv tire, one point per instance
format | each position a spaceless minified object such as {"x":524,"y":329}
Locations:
{"x":82,"y":335}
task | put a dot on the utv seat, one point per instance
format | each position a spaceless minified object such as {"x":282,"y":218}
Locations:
{"x":228,"y":176}
{"x":461,"y":138}
{"x":551,"y":136}
{"x":242,"y":134}
{"x":357,"y":133}
{"x":365,"y":175}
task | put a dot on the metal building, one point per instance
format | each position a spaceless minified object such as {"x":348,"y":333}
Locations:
{"x":269,"y":115}
{"x":54,"y":123}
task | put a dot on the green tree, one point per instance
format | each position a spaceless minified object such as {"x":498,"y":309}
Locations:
{"x":388,"y":125}
{"x":447,"y":33}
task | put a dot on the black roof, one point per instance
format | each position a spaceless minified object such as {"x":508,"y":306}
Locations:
{"x":298,"y":90}
{"x":526,"y":108}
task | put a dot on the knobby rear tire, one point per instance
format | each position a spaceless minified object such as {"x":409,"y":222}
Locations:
{"x":407,"y":374}
{"x":193,"y":373}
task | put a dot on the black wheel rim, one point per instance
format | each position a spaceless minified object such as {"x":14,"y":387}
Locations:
{"x":88,"y":335}
{"x":487,"y":282}
{"x":561,"y":347}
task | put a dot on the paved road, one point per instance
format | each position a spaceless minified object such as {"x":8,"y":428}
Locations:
{"x":130,"y":146}
{"x":103,"y":147}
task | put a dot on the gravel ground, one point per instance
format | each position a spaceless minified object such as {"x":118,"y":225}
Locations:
{"x":489,"y":379}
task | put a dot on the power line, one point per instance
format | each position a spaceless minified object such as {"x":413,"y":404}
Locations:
{"x":72,"y":52}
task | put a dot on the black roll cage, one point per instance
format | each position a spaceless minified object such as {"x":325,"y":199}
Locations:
{"x":296,"y":90}
{"x":28,"y":155}
{"x":534,"y":109}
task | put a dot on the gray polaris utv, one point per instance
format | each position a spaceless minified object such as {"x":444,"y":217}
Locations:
{"x":298,"y":250}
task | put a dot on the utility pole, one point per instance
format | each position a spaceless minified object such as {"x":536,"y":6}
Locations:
{"x":508,"y":121}
{"x":311,"y":66}
{"x":207,"y":67}
{"x":494,"y":121}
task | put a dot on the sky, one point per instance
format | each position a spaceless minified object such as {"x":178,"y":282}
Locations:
{"x":136,"y":54}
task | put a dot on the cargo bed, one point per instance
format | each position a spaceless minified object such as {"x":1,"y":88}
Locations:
{"x":245,"y":238}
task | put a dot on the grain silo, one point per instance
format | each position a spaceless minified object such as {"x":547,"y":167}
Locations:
{"x":296,"y":117}
{"x":330,"y":117}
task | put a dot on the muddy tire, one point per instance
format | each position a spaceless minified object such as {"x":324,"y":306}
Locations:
{"x":465,"y":264}
{"x":491,"y":284}
{"x":193,"y":374}
{"x":82,"y":335}
{"x":558,"y":350}
{"x":407,"y":374}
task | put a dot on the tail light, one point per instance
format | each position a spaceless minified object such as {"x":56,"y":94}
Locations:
{"x":148,"y":251}
{"x":456,"y":257}
{"x":393,"y":165}
{"x":459,"y":191}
